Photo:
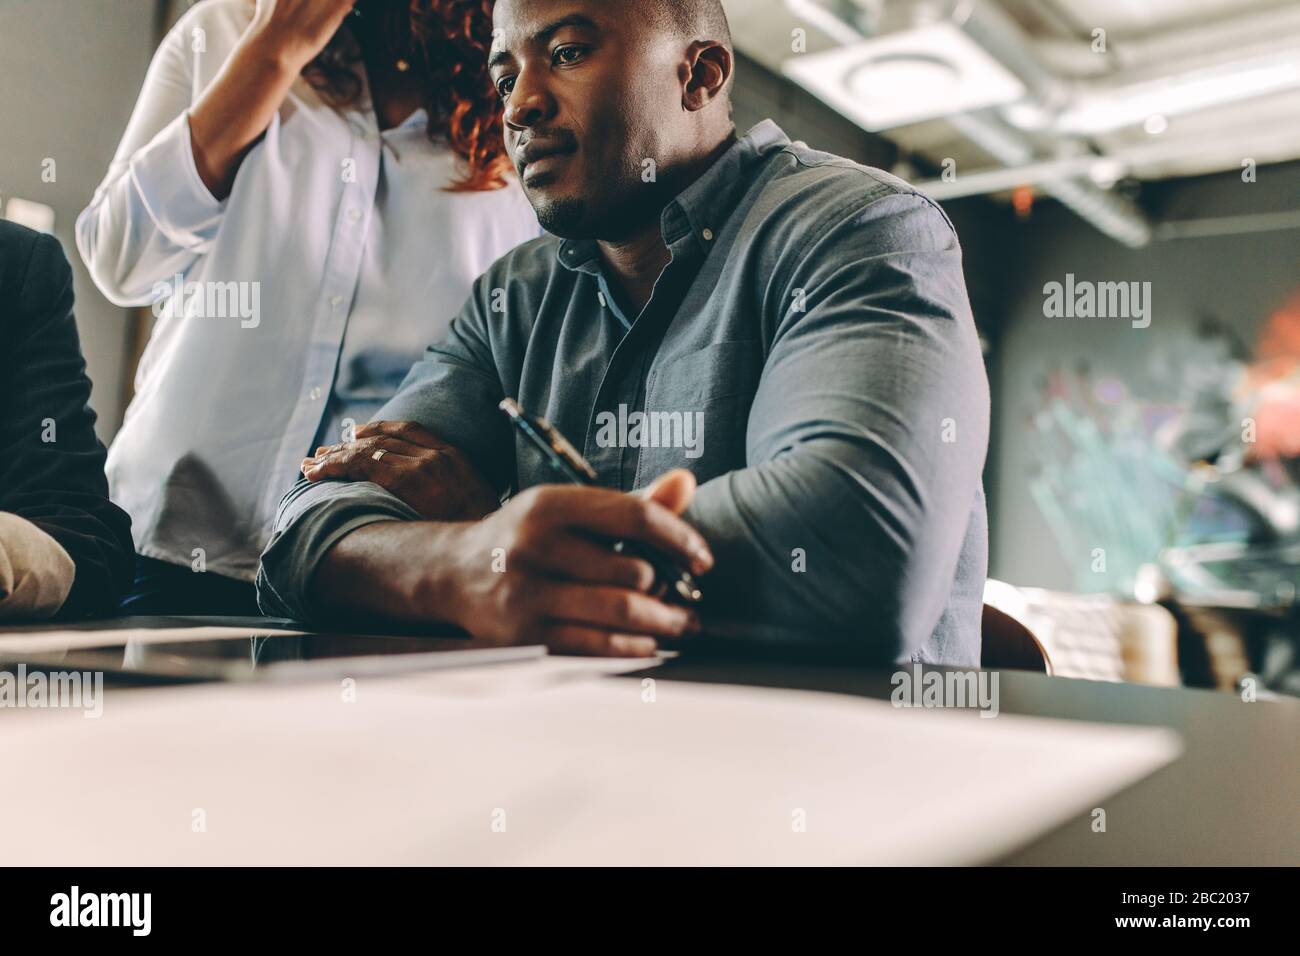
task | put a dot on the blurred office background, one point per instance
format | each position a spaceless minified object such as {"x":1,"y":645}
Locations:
{"x":1071,"y":141}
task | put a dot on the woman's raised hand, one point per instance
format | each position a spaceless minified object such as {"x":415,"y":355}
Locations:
{"x":232,"y":113}
{"x":297,"y":30}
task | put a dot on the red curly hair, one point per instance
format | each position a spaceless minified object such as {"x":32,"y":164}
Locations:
{"x":448,"y":43}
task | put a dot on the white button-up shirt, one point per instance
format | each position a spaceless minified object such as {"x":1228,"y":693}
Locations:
{"x":304,"y":297}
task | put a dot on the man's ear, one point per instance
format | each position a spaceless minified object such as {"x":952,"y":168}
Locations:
{"x":710,"y":65}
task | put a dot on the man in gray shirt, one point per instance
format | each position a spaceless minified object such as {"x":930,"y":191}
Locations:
{"x":784,"y":327}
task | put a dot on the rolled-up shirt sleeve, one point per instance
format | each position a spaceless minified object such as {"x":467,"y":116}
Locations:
{"x":167,"y":185}
{"x":152,"y":216}
{"x":311,"y":519}
{"x":865,"y":442}
{"x":453,"y":392}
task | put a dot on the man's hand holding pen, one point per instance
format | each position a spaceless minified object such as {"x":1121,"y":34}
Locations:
{"x":541,"y":568}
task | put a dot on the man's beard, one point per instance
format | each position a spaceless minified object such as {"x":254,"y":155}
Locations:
{"x":564,"y":217}
{"x":571,"y":217}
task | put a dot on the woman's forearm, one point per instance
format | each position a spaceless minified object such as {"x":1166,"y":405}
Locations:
{"x":236,"y":109}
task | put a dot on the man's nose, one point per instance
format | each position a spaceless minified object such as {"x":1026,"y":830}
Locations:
{"x":530,"y":104}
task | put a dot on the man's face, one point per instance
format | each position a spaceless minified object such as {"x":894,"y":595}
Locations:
{"x":592,"y":92}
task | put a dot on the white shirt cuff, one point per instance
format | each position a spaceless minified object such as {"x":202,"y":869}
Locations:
{"x":169,"y":185}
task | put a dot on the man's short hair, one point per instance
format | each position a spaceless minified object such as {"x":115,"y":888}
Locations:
{"x":698,"y":19}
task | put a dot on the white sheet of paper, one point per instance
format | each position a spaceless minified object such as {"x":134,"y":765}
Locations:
{"x":45,"y":642}
{"x":544,"y":762}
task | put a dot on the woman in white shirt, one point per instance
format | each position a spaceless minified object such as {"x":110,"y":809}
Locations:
{"x":304,"y":195}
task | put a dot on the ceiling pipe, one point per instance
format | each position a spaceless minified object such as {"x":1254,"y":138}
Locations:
{"x":1111,"y":213}
{"x":1101,"y":169}
{"x":1002,"y":179}
{"x":1234,"y":58}
{"x":1001,"y":37}
{"x":1101,"y":108}
{"x":1233,"y":36}
{"x":1130,"y":96}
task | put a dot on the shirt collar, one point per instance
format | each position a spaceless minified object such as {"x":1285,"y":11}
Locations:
{"x":692,"y":220}
{"x":418,"y":119}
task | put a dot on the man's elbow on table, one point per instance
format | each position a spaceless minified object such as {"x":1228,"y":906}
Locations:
{"x":804,"y":547}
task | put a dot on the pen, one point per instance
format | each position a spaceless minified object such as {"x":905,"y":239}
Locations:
{"x":566,"y":460}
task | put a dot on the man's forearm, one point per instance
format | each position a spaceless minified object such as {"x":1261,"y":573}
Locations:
{"x":312,"y":519}
{"x":369,"y":570}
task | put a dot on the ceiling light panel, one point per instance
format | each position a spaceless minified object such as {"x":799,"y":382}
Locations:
{"x":906,"y":77}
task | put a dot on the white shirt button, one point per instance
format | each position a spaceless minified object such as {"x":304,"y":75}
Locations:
{"x":354,"y":214}
{"x":336,"y":300}
{"x":315,"y":394}
{"x":708,"y":235}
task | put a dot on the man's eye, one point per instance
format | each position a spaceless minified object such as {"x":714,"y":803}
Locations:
{"x":567,"y":54}
{"x":505,"y":85}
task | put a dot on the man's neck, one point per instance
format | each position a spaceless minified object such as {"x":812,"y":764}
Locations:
{"x":633,"y":266}
{"x":635,"y":262}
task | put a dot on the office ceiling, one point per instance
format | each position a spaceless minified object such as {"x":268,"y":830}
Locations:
{"x":1178,"y":88}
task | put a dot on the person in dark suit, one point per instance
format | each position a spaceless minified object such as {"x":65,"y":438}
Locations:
{"x":65,"y":549}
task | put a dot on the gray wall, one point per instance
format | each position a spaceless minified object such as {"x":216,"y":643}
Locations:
{"x":1234,"y":280}
{"x":69,"y":74}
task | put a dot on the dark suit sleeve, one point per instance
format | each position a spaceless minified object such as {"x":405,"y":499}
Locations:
{"x":51,"y":463}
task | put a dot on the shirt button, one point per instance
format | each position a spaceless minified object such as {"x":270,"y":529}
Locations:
{"x":708,"y":235}
{"x":354,"y":214}
{"x":315,"y":394}
{"x":336,"y":300}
